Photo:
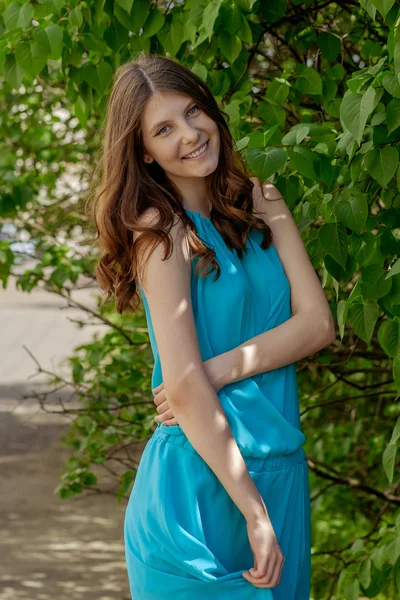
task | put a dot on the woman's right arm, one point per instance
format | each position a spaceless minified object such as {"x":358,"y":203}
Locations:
{"x":190,"y":394}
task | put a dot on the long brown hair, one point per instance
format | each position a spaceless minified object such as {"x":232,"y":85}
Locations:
{"x":128,"y":186}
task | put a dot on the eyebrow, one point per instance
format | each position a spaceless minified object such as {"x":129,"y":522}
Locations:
{"x":157,"y":125}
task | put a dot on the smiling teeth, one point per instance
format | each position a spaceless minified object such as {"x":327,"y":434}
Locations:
{"x":194,"y":154}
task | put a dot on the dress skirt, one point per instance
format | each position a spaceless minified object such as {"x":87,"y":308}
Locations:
{"x":185,"y":539}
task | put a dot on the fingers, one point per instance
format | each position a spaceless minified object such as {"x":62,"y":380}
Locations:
{"x":163,"y":407}
{"x":165,"y":415}
{"x":160,"y":398}
{"x":157,"y":389}
{"x":171,"y":422}
{"x":271,"y":578}
{"x":168,"y":414}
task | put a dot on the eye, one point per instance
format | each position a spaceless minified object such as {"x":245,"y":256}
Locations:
{"x":191,"y":108}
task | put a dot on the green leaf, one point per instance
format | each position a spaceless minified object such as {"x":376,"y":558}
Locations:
{"x":396,"y":374}
{"x":351,"y":589}
{"x":105,"y":73}
{"x":394,"y":270}
{"x":269,"y":133}
{"x":92,"y":42}
{"x":39,"y":58}
{"x":23,"y":55}
{"x":362,"y":318}
{"x":230,"y":46}
{"x":115,"y":35}
{"x":381,"y":164}
{"x":389,"y":337}
{"x":57,"y":6}
{"x":11,"y":15}
{"x":200,"y":70}
{"x":309,"y":82}
{"x":378,"y":557}
{"x":139,"y":15}
{"x":383,"y":6}
{"x":89,"y":479}
{"x":265,"y":162}
{"x":41,"y":38}
{"x":396,"y":47}
{"x":296,"y":135}
{"x":232,"y":17}
{"x":374,"y":284}
{"x":55,"y":36}
{"x":210,"y":15}
{"x":370,"y":49}
{"x":125,"y":4}
{"x":353,"y":210}
{"x":171,"y":38}
{"x":393,"y":115}
{"x":154,"y":22}
{"x":393,"y":550}
{"x":355,"y":110}
{"x":278,"y":90}
{"x":273,"y":12}
{"x":365,"y":573}
{"x":369,"y":7}
{"x":16,"y":15}
{"x":271,"y":113}
{"x":75,"y":16}
{"x":333,"y":239}
{"x":303,"y":161}
{"x":91,"y":76}
{"x":341,"y":315}
{"x":330,"y":45}
{"x":396,"y":432}
{"x":395,"y":290}
{"x":245,"y":33}
{"x":391,"y":85}
{"x":26,"y":15}
{"x":388,"y":461}
{"x":80,"y":111}
{"x":123,"y":17}
{"x":242,"y":143}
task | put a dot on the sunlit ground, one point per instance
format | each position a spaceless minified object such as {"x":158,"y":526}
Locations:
{"x":50,"y":549}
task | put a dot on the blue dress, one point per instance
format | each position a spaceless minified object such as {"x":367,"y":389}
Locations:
{"x":185,"y":539}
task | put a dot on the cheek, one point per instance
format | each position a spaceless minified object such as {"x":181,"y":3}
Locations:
{"x":167,"y":149}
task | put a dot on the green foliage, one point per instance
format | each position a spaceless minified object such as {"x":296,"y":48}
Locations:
{"x":312,"y":94}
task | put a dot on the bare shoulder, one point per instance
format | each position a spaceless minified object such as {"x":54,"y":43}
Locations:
{"x":173,"y":263}
{"x":151,"y":218}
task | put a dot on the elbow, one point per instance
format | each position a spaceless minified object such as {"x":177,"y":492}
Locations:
{"x":194,"y":384}
{"x":327,"y":331}
{"x":175,"y":396}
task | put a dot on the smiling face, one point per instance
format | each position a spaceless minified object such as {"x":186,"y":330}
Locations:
{"x":174,"y":126}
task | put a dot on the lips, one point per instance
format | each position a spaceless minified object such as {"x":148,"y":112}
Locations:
{"x":196,"y":149}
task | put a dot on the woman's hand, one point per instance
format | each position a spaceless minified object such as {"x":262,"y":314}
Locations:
{"x":268,"y":557}
{"x":165,"y":414}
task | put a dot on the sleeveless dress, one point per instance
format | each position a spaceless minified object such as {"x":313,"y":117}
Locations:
{"x":185,"y":539}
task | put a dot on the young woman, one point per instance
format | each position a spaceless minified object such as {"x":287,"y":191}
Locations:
{"x":220,"y":504}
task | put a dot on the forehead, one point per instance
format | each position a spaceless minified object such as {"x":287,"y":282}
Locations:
{"x":163,"y":106}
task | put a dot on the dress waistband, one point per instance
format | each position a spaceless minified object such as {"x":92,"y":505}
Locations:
{"x":174,"y":435}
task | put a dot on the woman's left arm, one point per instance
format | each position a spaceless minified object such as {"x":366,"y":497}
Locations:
{"x":311,"y":326}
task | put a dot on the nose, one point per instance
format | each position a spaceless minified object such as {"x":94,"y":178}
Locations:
{"x":189,"y":134}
